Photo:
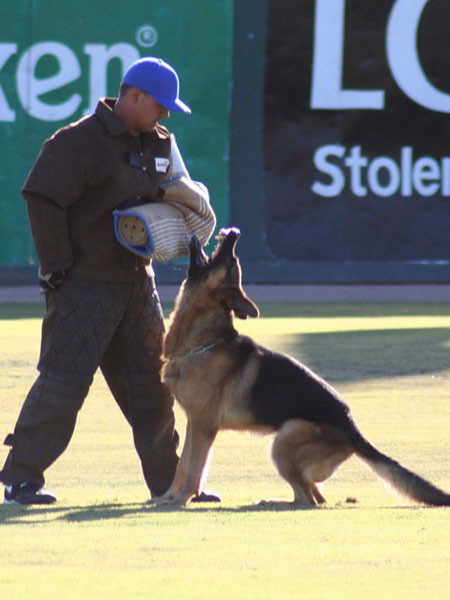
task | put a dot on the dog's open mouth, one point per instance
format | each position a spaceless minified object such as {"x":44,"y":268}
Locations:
{"x":226,"y":241}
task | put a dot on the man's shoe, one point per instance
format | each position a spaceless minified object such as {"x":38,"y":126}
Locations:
{"x":206,"y":497}
{"x":27,"y":493}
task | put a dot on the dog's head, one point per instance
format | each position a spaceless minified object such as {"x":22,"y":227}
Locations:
{"x":221,"y":274}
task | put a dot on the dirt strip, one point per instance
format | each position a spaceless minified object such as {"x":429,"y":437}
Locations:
{"x":288,"y":293}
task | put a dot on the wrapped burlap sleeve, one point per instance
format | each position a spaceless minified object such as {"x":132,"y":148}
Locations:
{"x":162,"y":230}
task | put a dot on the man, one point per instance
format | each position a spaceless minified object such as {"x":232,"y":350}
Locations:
{"x":102,"y":306}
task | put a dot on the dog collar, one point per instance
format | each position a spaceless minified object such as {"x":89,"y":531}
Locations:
{"x":202,"y":349}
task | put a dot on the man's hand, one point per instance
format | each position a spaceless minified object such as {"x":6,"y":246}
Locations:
{"x":50,"y":281}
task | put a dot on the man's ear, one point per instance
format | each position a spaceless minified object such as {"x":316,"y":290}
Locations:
{"x":133,"y":94}
{"x":241,"y":304}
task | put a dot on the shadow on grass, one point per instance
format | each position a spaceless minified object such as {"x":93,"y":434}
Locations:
{"x":351,"y":309}
{"x":21,"y":515}
{"x":26,"y":515}
{"x":22,"y":310}
{"x":31,"y":310}
{"x":36,"y":310}
{"x":361,"y":355}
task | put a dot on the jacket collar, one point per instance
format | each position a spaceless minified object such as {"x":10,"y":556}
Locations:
{"x":115,"y":125}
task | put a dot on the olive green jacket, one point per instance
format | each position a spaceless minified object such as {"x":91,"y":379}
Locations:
{"x":83,"y":173}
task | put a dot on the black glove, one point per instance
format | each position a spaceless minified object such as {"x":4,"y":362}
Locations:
{"x":50,"y":281}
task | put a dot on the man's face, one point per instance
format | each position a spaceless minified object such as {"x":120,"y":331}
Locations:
{"x":148,"y":112}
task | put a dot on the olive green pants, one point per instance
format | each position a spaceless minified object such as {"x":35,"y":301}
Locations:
{"x":119,"y":328}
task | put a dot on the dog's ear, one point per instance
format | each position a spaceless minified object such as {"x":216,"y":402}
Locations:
{"x":198,"y":258}
{"x":241,"y":304}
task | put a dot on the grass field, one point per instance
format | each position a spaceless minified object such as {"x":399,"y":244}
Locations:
{"x":392,"y":364}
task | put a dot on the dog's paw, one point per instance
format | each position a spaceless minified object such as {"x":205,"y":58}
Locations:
{"x":164,"y":499}
{"x":161,"y":500}
{"x":178,"y":500}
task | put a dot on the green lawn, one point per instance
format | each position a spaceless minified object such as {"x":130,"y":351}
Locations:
{"x":392,"y":364}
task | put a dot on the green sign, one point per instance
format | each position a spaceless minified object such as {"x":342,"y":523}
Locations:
{"x":57,"y":59}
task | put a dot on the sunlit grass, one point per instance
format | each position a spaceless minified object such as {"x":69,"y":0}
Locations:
{"x":101,"y":540}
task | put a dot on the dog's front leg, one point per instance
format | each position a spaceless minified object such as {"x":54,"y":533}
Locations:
{"x":179,"y":481}
{"x":202,"y":440}
{"x":191,"y":470}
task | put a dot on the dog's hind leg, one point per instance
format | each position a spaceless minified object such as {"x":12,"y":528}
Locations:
{"x":305,"y":454}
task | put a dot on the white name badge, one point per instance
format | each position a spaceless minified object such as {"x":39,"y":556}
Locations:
{"x":161,"y":164}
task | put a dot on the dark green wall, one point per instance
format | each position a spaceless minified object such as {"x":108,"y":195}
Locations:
{"x":250,"y":71}
{"x":54,"y":65}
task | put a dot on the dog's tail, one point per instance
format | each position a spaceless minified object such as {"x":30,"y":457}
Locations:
{"x":403,"y":482}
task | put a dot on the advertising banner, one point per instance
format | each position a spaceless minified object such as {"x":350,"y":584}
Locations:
{"x":356,"y":130}
{"x":57,"y":59}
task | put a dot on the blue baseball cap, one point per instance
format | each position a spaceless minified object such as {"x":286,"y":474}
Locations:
{"x":159,"y":79}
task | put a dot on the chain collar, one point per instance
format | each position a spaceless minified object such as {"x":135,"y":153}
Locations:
{"x":202,"y":349}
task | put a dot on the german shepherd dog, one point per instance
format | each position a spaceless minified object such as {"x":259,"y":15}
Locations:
{"x":224,"y":380}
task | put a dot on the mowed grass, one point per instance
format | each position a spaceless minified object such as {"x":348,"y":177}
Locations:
{"x":391,"y":362}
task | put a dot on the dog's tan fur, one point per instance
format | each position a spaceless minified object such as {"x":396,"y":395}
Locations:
{"x":213,"y":372}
